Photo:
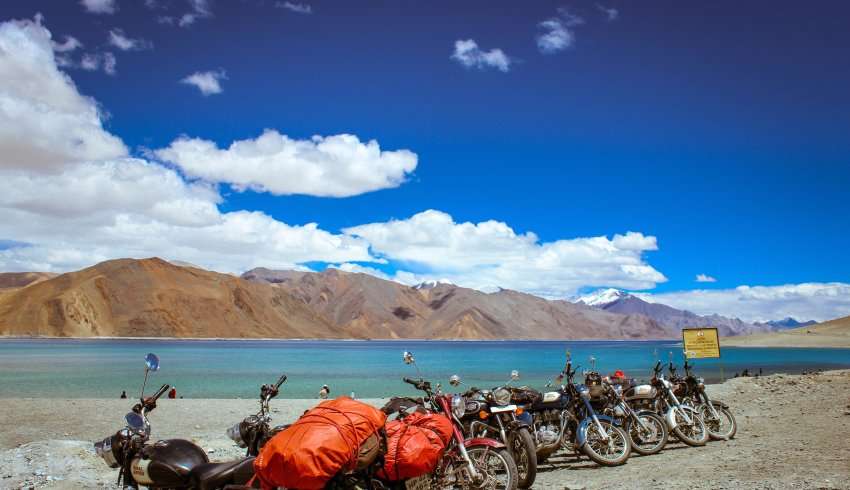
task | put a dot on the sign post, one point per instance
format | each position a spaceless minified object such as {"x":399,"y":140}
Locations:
{"x":702,"y":343}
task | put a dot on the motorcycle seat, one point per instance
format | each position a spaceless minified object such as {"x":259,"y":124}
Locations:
{"x":209,"y":476}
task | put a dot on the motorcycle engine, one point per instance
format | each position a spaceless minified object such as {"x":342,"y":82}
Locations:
{"x":547,"y":435}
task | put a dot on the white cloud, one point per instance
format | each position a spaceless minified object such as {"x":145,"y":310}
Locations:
{"x":806,"y":301}
{"x":705,"y":278}
{"x":610,"y":12}
{"x":558,"y":34}
{"x":44,"y":122}
{"x":199,"y":9}
{"x":300,"y":8}
{"x":118,"y":39}
{"x":69,"y":204}
{"x":71,"y":43}
{"x":331,"y":166}
{"x":490,"y":254}
{"x":100,"y":6}
{"x":206,"y":81}
{"x":97,"y":61}
{"x":468,"y":54}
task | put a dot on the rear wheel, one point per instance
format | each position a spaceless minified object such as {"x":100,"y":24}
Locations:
{"x":649,"y":438}
{"x":496,"y":468}
{"x":524,"y":452}
{"x":609,"y":449}
{"x":722,"y":427}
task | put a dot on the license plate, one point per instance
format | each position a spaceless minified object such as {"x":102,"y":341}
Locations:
{"x":419,"y":483}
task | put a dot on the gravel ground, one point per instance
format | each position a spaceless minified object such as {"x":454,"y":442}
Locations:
{"x":792,"y":434}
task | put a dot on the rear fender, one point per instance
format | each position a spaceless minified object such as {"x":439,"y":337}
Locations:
{"x":483,"y":441}
{"x":581,"y":432}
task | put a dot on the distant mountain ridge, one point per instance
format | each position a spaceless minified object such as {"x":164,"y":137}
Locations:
{"x":672,"y":319}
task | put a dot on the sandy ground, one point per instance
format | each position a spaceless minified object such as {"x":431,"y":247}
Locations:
{"x":790,"y":339}
{"x":792,"y":434}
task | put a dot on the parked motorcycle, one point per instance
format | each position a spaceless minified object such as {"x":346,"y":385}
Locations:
{"x":646,"y":429}
{"x":490,"y":413}
{"x":255,"y":430}
{"x":683,"y":420}
{"x":719,"y":420}
{"x":475,"y":463}
{"x":173,"y":463}
{"x":566,"y":418}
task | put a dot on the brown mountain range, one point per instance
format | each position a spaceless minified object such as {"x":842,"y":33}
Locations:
{"x":155,"y":298}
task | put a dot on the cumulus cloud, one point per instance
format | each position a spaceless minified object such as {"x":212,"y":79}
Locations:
{"x":70,"y":197}
{"x":610,"y":13}
{"x":468,"y":54}
{"x":806,"y":301}
{"x":207,"y":81}
{"x":558,"y":33}
{"x":705,"y":278}
{"x":44,"y":121}
{"x":490,"y":254}
{"x":330,"y":166}
{"x":97,"y":61}
{"x":120,"y":40}
{"x":299,"y":8}
{"x":99,"y":6}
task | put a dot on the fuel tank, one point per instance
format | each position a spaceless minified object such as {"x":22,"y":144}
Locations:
{"x":167,"y":463}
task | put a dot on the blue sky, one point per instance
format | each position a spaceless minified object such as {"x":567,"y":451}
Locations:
{"x":721,"y":129}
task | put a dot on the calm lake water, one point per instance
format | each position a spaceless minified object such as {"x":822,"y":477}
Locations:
{"x":236,"y":368}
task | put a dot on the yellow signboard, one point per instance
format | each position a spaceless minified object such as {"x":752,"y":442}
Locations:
{"x":700,"y":343}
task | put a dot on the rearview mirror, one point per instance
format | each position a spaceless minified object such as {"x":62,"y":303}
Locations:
{"x":454,"y":380}
{"x":134,"y":421}
{"x":514,"y":375}
{"x":408,"y":357}
{"x":151,"y":362}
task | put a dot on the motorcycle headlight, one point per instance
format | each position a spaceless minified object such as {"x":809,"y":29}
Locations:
{"x":502,"y":396}
{"x":458,"y":406}
{"x":235,"y":434}
{"x":104,"y":450}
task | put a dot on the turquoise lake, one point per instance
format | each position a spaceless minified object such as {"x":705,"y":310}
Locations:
{"x":236,"y":368}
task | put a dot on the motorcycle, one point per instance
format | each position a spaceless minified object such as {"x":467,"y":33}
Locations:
{"x":490,"y":413}
{"x":719,"y":420}
{"x":173,"y":463}
{"x":566,"y":418}
{"x":475,"y":463}
{"x":683,"y":420}
{"x":255,"y":430}
{"x":646,"y":429}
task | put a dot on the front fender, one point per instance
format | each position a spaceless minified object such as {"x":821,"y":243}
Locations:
{"x":483,"y":441}
{"x":581,"y":432}
{"x":670,"y":416}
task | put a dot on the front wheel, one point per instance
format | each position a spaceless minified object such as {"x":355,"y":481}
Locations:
{"x":496,"y":469}
{"x":692,"y":434}
{"x":524,"y":452}
{"x":722,"y":427}
{"x":649,"y":438}
{"x":612,"y":450}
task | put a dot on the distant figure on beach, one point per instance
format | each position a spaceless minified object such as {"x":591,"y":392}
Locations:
{"x":324,"y":392}
{"x":123,"y":395}
{"x":760,"y":373}
{"x":746,"y":373}
{"x":172,"y":393}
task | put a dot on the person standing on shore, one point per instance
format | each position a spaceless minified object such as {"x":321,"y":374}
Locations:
{"x":324,"y":392}
{"x":123,"y":394}
{"x":172,"y":393}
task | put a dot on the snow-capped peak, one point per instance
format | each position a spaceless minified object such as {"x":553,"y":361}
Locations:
{"x":602,"y":297}
{"x":431,"y":284}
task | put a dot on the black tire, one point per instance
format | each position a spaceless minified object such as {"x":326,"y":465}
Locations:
{"x":614,"y":452}
{"x":722,"y":428}
{"x":694,"y":434}
{"x":497,"y":465}
{"x":650,"y":440}
{"x":524,"y":452}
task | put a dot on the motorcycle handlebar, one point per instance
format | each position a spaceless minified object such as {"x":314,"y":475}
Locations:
{"x":657,"y":367}
{"x":162,"y":390}
{"x":280,"y":381}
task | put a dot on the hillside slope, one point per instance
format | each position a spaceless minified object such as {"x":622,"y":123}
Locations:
{"x":834,"y":333}
{"x":153,"y":298}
